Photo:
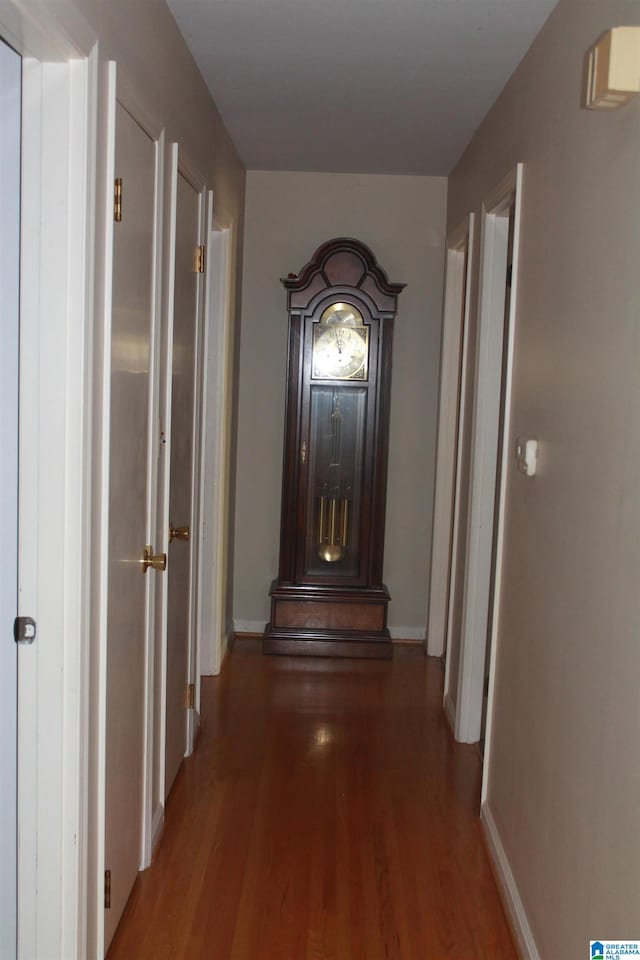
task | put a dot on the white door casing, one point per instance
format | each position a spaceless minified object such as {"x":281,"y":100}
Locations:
{"x":450,"y":425}
{"x":485,"y":500}
{"x":212,"y":631}
{"x":56,"y":398}
{"x":10,"y":109}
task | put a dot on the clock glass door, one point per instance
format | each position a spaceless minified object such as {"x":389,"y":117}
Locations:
{"x":336,"y":454}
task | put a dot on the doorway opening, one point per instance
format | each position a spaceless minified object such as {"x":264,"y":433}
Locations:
{"x":488,"y":460}
{"x":451,"y":425}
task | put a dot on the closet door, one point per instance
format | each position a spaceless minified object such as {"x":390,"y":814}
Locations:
{"x":181,"y":497}
{"x":128,"y":585}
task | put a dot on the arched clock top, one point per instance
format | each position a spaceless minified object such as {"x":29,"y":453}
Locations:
{"x":343,"y":263}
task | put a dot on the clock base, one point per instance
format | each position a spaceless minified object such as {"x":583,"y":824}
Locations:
{"x":328,"y":622}
{"x":326,"y":643}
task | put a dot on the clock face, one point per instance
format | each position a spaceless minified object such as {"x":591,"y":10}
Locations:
{"x":340,"y":344}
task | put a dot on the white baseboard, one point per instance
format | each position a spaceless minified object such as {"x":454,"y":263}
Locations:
{"x":435,"y":646}
{"x":408,"y":633}
{"x":195,"y":732}
{"x":226,"y":643}
{"x":450,"y":713}
{"x":249,"y":626}
{"x":157,"y":826}
{"x":509,"y":894}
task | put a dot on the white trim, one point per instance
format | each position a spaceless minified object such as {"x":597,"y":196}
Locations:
{"x":507,"y":888}
{"x":193,"y":178}
{"x":462,"y":428}
{"x":249,"y":626}
{"x":507,"y":453}
{"x":28,"y":755}
{"x":45,"y":31}
{"x":484,"y":450}
{"x":78,"y":546}
{"x":105,"y":159}
{"x":214,"y":485}
{"x":10,"y":155}
{"x":157,"y":826}
{"x":408,"y":633}
{"x":450,"y":712}
{"x":450,"y":416}
{"x":55,"y":392}
{"x":206,"y":607}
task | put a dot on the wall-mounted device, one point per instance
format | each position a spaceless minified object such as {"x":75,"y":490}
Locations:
{"x":613,"y":69}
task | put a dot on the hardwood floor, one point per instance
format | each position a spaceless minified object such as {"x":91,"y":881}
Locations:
{"x":327,"y":813}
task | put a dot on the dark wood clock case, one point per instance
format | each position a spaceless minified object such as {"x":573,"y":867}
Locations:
{"x":329,"y":598}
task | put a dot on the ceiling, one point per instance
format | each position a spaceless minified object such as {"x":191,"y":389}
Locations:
{"x":369,"y":86}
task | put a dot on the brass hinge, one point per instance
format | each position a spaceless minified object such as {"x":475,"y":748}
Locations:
{"x":191,"y":696}
{"x":199,"y":267}
{"x":107,"y":889}
{"x":117,"y":200}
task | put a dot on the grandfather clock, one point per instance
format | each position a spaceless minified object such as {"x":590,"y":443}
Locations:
{"x":329,"y":599}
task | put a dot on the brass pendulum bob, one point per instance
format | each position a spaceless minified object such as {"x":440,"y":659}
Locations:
{"x":333,"y":520}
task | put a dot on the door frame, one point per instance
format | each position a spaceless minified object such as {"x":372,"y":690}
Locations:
{"x":56,"y":390}
{"x":10,"y":136}
{"x":197,"y":181}
{"x":487,"y":501}
{"x":455,"y":326}
{"x":212,"y":628}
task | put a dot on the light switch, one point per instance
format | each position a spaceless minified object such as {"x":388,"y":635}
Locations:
{"x":527,"y":455}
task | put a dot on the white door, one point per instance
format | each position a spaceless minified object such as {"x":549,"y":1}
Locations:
{"x":10,"y":82}
{"x":131,"y":341}
{"x":181,"y":489}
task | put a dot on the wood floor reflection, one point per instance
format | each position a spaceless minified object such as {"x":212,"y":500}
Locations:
{"x":327,"y":813}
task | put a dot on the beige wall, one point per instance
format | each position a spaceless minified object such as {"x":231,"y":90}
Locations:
{"x":142,"y":37}
{"x":152,"y":59}
{"x":288,"y":215}
{"x":564,"y":777}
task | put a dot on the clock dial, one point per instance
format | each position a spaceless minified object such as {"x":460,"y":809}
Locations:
{"x":340,"y":344}
{"x":340,"y":353}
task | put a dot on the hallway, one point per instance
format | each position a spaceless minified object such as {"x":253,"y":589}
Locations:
{"x":326,"y":813}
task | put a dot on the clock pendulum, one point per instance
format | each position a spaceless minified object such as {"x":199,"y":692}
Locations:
{"x":329,"y":598}
{"x":332,"y":502}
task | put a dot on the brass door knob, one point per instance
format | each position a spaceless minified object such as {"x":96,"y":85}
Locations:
{"x":157,"y":561}
{"x":178,"y":533}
